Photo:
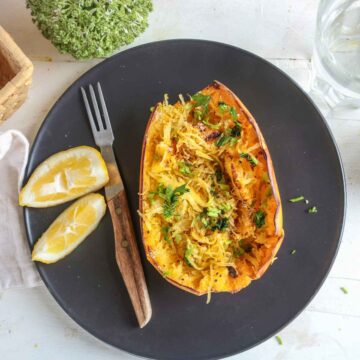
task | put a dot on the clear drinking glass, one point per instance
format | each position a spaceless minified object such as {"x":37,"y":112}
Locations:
{"x":336,"y":57}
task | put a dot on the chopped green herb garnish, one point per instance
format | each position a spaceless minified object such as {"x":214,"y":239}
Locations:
{"x":313,"y":210}
{"x":188,"y":252}
{"x":223,"y":140}
{"x":230,"y":135}
{"x":201,"y":100}
{"x":152,"y":108}
{"x":160,"y":191}
{"x":151,"y":196}
{"x":306,"y":201}
{"x":165,"y":231}
{"x":297,"y":199}
{"x":184,"y":167}
{"x":221,"y":224}
{"x":233,"y":141}
{"x":211,"y":219}
{"x":259,"y":219}
{"x":168,"y":209}
{"x":166,"y":273}
{"x":226,"y":139}
{"x":213,"y":212}
{"x":344,"y":290}
{"x":204,"y":220}
{"x":201,"y":105}
{"x":251,"y":159}
{"x":238,"y":252}
{"x":222,"y":106}
{"x":170,"y":197}
{"x":188,"y":262}
{"x":225,"y":207}
{"x":278,"y":339}
{"x":225,"y":107}
{"x":210,"y":125}
{"x":292,"y":252}
{"x":236,"y":130}
{"x":180,"y":190}
{"x":233,"y":113}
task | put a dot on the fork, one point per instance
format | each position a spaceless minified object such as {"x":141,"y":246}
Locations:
{"x":126,"y":250}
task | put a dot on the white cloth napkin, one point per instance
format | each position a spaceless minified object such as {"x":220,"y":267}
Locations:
{"x":16,"y":267}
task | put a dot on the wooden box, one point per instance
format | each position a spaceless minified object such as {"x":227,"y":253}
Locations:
{"x":15,"y":75}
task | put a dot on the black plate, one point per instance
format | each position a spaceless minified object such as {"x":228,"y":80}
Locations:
{"x":87,"y":283}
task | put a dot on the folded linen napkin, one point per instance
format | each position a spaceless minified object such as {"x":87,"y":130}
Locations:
{"x":16,"y":267}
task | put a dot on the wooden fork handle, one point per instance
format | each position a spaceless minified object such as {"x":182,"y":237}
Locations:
{"x":128,"y":258}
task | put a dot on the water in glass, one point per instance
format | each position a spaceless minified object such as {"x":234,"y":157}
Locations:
{"x":336,"y":58}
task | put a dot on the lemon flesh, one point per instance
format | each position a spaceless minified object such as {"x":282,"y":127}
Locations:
{"x":69,"y":229}
{"x":65,"y":176}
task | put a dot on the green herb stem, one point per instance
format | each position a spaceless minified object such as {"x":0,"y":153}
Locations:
{"x":279,"y":339}
{"x":344,"y":290}
{"x":251,"y":159}
{"x":297,"y":199}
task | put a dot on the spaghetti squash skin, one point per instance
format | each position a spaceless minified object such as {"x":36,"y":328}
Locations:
{"x":210,"y":208}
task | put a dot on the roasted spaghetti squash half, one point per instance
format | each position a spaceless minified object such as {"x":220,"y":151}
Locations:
{"x":210,"y":207}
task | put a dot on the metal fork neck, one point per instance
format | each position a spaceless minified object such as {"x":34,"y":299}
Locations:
{"x":115,"y":184}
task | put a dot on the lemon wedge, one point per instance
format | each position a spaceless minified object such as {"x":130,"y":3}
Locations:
{"x":69,"y":229}
{"x":65,"y":176}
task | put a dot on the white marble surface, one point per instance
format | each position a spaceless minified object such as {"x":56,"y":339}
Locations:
{"x":32,"y":325}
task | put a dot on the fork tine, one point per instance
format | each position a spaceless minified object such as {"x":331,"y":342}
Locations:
{"x":88,"y":110}
{"x":96,"y":108}
{"x":104,"y":108}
